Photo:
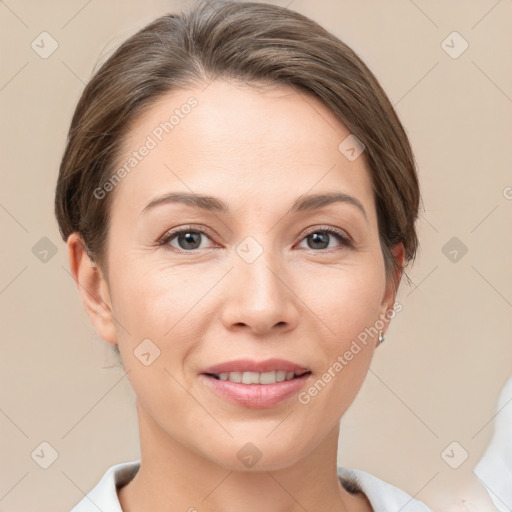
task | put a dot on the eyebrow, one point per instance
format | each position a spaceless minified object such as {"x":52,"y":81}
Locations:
{"x":305,"y":202}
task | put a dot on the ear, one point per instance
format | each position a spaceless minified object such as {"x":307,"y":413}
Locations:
{"x":93,"y":288}
{"x":392,"y":282}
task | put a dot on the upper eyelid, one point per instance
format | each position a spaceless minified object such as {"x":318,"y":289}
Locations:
{"x":330,"y":229}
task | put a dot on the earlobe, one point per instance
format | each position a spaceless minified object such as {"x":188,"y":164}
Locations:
{"x":92,"y":287}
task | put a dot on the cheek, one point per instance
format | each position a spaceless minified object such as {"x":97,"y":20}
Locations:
{"x":167,"y":305}
{"x":348,"y":308}
{"x":346,"y":299}
{"x":153,"y":301}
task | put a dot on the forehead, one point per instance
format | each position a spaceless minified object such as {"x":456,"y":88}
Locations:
{"x":247,"y":141}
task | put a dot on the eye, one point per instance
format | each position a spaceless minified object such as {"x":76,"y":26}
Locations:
{"x":187,"y":238}
{"x":320,"y":238}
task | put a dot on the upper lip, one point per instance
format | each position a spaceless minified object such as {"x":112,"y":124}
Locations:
{"x":248,"y":365}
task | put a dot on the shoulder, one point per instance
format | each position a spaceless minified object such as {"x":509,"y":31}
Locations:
{"x":380,"y":494}
{"x":104,"y":495}
{"x":494,"y":469}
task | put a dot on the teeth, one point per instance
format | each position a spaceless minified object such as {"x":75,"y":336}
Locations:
{"x":257,"y":378}
{"x":233,"y":376}
{"x":250,"y":378}
{"x":267,"y":378}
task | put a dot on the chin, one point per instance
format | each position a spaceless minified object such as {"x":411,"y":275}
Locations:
{"x":258,"y":455}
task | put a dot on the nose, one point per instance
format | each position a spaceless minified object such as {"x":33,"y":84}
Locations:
{"x":259,"y":297}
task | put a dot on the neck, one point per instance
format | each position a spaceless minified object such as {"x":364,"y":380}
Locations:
{"x":172,"y":477}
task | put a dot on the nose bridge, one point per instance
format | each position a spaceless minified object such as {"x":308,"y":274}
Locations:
{"x":261,"y":277}
{"x":254,"y":267}
{"x":260,"y":297}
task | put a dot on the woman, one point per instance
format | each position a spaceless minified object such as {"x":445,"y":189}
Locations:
{"x":238,"y":198}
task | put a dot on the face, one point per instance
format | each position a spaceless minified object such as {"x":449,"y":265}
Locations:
{"x":258,"y":273}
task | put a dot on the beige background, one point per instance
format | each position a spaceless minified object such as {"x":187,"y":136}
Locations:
{"x":447,"y":354}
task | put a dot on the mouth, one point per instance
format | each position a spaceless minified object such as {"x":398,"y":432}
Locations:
{"x":253,"y":384}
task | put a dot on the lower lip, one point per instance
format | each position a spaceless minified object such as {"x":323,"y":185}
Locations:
{"x":256,"y":395}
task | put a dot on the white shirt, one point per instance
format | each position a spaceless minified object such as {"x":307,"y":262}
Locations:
{"x":382,"y":496}
{"x":495,"y":467}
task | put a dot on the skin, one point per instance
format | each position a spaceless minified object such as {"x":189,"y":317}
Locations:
{"x":257,"y":149}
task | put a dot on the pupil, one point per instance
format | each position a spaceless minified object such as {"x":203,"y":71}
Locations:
{"x":321,"y":238}
{"x":188,"y":239}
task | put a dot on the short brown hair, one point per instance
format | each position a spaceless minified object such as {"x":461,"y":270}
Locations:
{"x":254,"y":43}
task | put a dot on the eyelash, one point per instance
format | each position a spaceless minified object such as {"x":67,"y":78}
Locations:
{"x":343,"y":239}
